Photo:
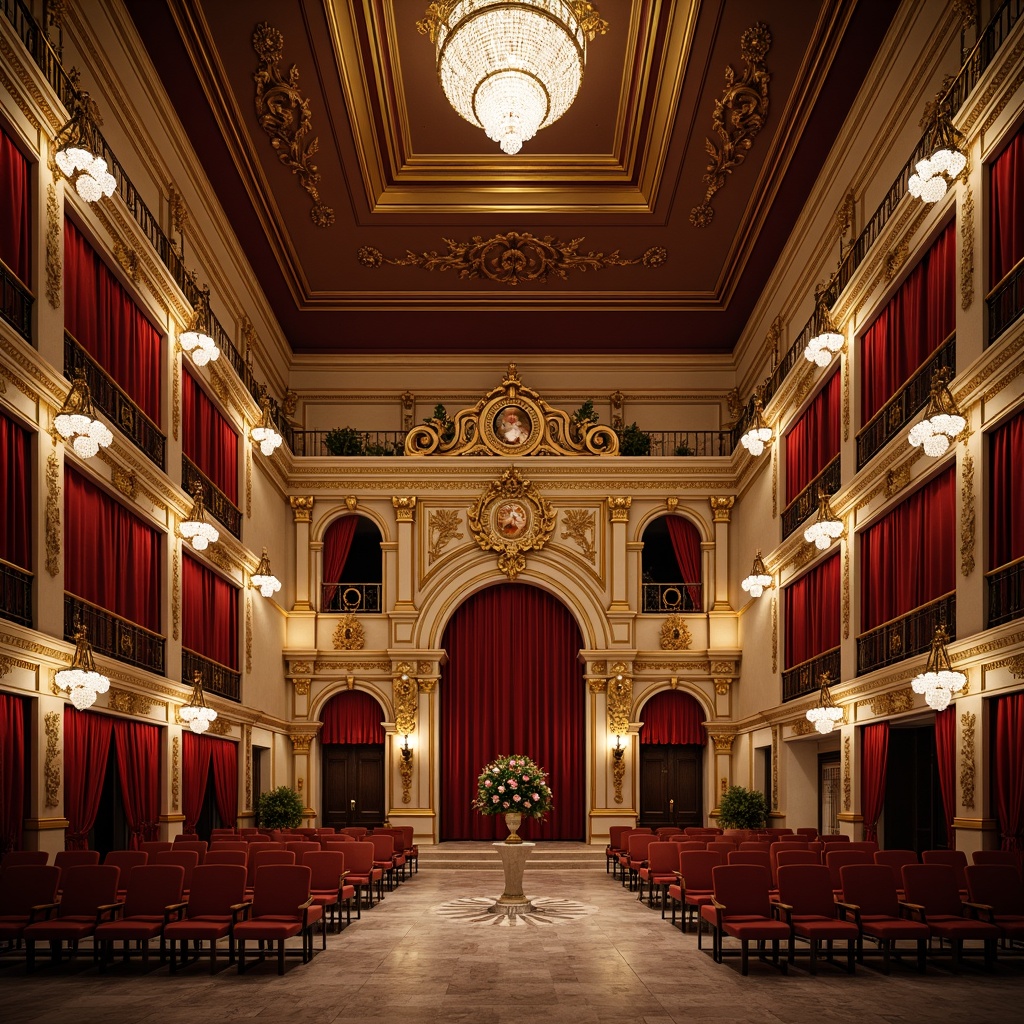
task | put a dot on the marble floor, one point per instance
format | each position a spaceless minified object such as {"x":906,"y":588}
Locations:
{"x":426,"y":954}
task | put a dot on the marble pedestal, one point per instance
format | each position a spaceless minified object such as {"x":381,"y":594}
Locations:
{"x":513,"y":861}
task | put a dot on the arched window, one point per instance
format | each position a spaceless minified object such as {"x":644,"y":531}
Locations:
{"x":352,"y":571}
{"x":671,"y":564}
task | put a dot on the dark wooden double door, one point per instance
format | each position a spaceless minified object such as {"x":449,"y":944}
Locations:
{"x":353,"y":785}
{"x":671,"y":785}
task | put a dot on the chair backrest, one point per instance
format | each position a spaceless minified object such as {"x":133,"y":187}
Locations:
{"x":742,"y":889}
{"x":997,"y":885}
{"x":760,"y":845}
{"x":696,"y":866}
{"x":216,"y":888}
{"x":355,"y":831}
{"x":185,"y":859}
{"x":326,"y":868}
{"x":895,"y":859}
{"x":934,"y":887}
{"x":785,"y":858}
{"x":339,"y":846}
{"x":24,"y":886}
{"x":383,"y":847}
{"x":871,"y":887}
{"x":807,"y":888}
{"x":17,"y":858}
{"x":723,"y":846}
{"x":758,"y":857}
{"x":220,"y":857}
{"x":638,"y":843}
{"x":155,"y":846}
{"x":809,"y":833}
{"x":126,"y":861}
{"x":1006,"y":857}
{"x":663,"y":857}
{"x":275,"y":855}
{"x":228,"y":844}
{"x":665,"y":830}
{"x":837,"y":837}
{"x":693,"y":844}
{"x":73,"y":858}
{"x":956,"y":859}
{"x":87,"y":887}
{"x":697,"y":830}
{"x":793,"y":840}
{"x":614,"y":835}
{"x":280,"y":889}
{"x":151,"y":887}
{"x":359,"y":857}
{"x":409,"y":835}
{"x":397,"y":834}
{"x":868,"y":845}
{"x":301,"y":847}
{"x":836,"y":860}
{"x":326,"y":831}
{"x":197,"y":846}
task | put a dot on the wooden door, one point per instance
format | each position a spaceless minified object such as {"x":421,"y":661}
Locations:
{"x":671,"y":785}
{"x":353,"y":785}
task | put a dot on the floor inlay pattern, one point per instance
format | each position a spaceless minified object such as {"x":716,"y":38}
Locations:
{"x":544,"y":911}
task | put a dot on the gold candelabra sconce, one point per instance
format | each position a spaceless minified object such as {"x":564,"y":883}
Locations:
{"x":405,"y":768}
{"x":618,"y":767}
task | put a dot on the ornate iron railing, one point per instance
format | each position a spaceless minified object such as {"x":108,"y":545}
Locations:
{"x":672,"y":598}
{"x":350,"y":597}
{"x":1005,"y":593}
{"x":905,"y":636}
{"x":217,"y":678}
{"x":805,"y":504}
{"x":218,"y":504}
{"x":363,"y":442}
{"x":805,"y":678}
{"x":15,"y":303}
{"x":15,"y":593}
{"x":1005,"y":302}
{"x":696,"y":443}
{"x":116,"y":637}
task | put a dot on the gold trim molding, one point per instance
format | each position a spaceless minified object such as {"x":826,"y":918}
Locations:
{"x":619,"y":700}
{"x":52,"y":763}
{"x":442,"y":528}
{"x":53,"y":503}
{"x":348,"y":634}
{"x":967,"y":517}
{"x":967,"y":723}
{"x":966,"y":219}
{"x":579,"y":525}
{"x":54,"y":249}
{"x":406,"y":697}
{"x":847,"y":799}
{"x":176,"y":773}
{"x":675,"y":636}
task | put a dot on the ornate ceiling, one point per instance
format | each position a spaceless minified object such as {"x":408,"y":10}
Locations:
{"x":386,"y":223}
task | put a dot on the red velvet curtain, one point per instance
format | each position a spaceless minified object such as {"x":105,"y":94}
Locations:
{"x":195,"y":758}
{"x":15,"y":219}
{"x":1006,"y":523}
{"x":811,"y":613}
{"x":686,"y":545}
{"x":111,"y":559}
{"x":909,"y":558}
{"x":337,"y":545}
{"x":12,"y":771}
{"x":1006,"y":211}
{"x":352,"y":717}
{"x":224,"y":760}
{"x":513,"y":686}
{"x":673,"y":717}
{"x":86,"y":748}
{"x":874,"y":758}
{"x":15,"y":494}
{"x":208,"y":439}
{"x":1010,"y":770}
{"x":137,"y":748}
{"x":917,"y":320}
{"x":813,"y":441}
{"x":945,"y":757}
{"x":209,"y":608}
{"x":105,"y":321}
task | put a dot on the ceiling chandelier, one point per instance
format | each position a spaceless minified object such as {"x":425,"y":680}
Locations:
{"x":946,"y":145}
{"x":195,"y":712}
{"x":195,"y":528}
{"x":939,"y":682}
{"x":263,"y":578}
{"x":758,"y":434}
{"x":265,"y":433}
{"x":826,"y":527}
{"x":81,"y":680}
{"x":74,"y":154}
{"x":942,"y":419}
{"x":825,"y":715}
{"x":77,"y":420}
{"x":758,"y":579}
{"x":511,"y":66}
{"x":196,"y":339}
{"x":827,"y":338}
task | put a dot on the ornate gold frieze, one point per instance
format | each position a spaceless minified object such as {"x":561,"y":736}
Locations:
{"x":248,"y":481}
{"x":896,"y":479}
{"x":721,"y":507}
{"x":967,"y":249}
{"x":775,"y":481}
{"x":675,"y":636}
{"x":302,"y":507}
{"x":129,"y":703}
{"x":967,"y":723}
{"x":53,"y":502}
{"x":248,"y":633}
{"x":175,"y":589}
{"x":513,"y":258}
{"x":348,"y":634}
{"x":176,"y":399}
{"x":443,"y":527}
{"x":618,"y":508}
{"x":127,"y":257}
{"x":844,"y":215}
{"x":301,"y":742}
{"x":620,"y":699}
{"x":406,"y":696}
{"x":775,"y":635}
{"x":596,"y":686}
{"x":301,"y":685}
{"x":967,"y":517}
{"x":426,"y":685}
{"x":179,"y":212}
{"x":424,"y":666}
{"x":846,"y":774}
{"x":846,"y":592}
{"x":54,"y":249}
{"x":247,"y":744}
{"x":892,"y":703}
{"x":579,"y":525}
{"x":642,"y":665}
{"x":895,"y":258}
{"x":723,"y":742}
{"x":125,"y":481}
{"x":1016,"y":666}
{"x":738,"y":117}
{"x":51,"y":765}
{"x":405,"y":771}
{"x":176,"y":773}
{"x":300,"y":667}
{"x":511,"y":517}
{"x":405,"y":508}
{"x":285,"y":117}
{"x":846,"y":402}
{"x":775,"y":768}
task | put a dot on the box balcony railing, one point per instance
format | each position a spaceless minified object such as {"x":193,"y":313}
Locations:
{"x":15,"y":303}
{"x":672,"y":598}
{"x":15,"y":593}
{"x":1005,"y":593}
{"x":218,"y":504}
{"x":217,"y":678}
{"x":114,"y":636}
{"x":906,"y":636}
{"x":351,"y":597}
{"x":805,"y":678}
{"x":805,"y":504}
{"x":1005,"y":302}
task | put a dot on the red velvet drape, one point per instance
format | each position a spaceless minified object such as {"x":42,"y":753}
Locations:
{"x":337,"y":545}
{"x":12,"y":771}
{"x":917,"y":320}
{"x":15,"y":494}
{"x":111,"y":559}
{"x":1006,"y":507}
{"x":86,"y":747}
{"x":945,"y":758}
{"x":224,"y":761}
{"x":1006,"y":211}
{"x":208,"y":439}
{"x":874,"y":759}
{"x":15,"y":219}
{"x":352,"y":717}
{"x":686,"y":546}
{"x":813,"y":441}
{"x":209,"y":608}
{"x":195,"y":759}
{"x":909,"y":558}
{"x":811,"y":613}
{"x":105,"y":321}
{"x":513,"y":687}
{"x":673,"y":717}
{"x":1010,"y":770}
{"x":137,"y":748}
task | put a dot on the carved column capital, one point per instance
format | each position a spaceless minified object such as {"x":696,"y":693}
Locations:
{"x":405,"y":508}
{"x":302,"y":507}
{"x":618,"y":508}
{"x":721,"y":507}
{"x":723,"y":742}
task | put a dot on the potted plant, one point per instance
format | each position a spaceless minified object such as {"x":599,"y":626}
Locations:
{"x":514,"y":786}
{"x":583,"y":418}
{"x":280,"y":808}
{"x":742,"y":808}
{"x":344,"y":441}
{"x":634,"y":441}
{"x":445,"y":427}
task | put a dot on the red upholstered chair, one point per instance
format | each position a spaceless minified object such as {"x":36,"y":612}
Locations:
{"x":613,"y":850}
{"x":758,"y":857}
{"x":996,"y":895}
{"x":866,"y":845}
{"x":125,"y":861}
{"x":793,"y":840}
{"x":808,"y":833}
{"x":17,"y":858}
{"x":338,"y":846}
{"x":398,"y":857}
{"x":894,"y":860}
{"x":187,"y":859}
{"x":659,"y":872}
{"x":155,"y":846}
{"x":218,"y":857}
{"x":836,"y":860}
{"x":153,"y":898}
{"x":384,"y":856}
{"x":197,"y":846}
{"x":665,"y":830}
{"x":784,"y":857}
{"x":328,"y":887}
{"x":636,"y":856}
{"x":23,"y":887}
{"x":692,"y":844}
{"x":756,"y":844}
{"x":74,"y":858}
{"x":233,"y":845}
{"x":741,"y":909}
{"x":282,"y":907}
{"x":327,"y":830}
{"x":956,"y":859}
{"x":299,"y":847}
{"x":1007,"y":857}
{"x":214,"y":905}
{"x":722,"y":846}
{"x":695,"y":886}
{"x":412,"y":851}
{"x":260,"y":857}
{"x":362,"y":873}
{"x":355,"y":831}
{"x":807,"y":905}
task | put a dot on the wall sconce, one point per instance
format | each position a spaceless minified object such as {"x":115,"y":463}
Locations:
{"x":406,"y":750}
{"x":618,"y":750}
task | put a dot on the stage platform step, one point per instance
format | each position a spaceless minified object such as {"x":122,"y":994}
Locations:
{"x":482,"y":857}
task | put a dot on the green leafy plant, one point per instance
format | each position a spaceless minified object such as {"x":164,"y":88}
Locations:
{"x":513,"y":783}
{"x":742,"y":808}
{"x":634,"y":441}
{"x":683,"y":449}
{"x":344,"y":441}
{"x":584,"y":417}
{"x":280,"y":808}
{"x":441,"y":422}
{"x":384,"y":448}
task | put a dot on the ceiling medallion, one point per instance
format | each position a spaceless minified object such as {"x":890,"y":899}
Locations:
{"x":739,"y":116}
{"x":513,"y":258}
{"x":511,"y":420}
{"x":511,"y":517}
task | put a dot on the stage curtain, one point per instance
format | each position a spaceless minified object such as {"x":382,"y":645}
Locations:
{"x":15,"y":494}
{"x":208,"y":439}
{"x":813,"y":441}
{"x":1006,"y":525}
{"x":874,"y":758}
{"x":811,"y":613}
{"x":86,"y":748}
{"x":352,"y":717}
{"x":337,"y":545}
{"x":686,"y":545}
{"x":195,"y":759}
{"x":945,"y":757}
{"x":209,"y":607}
{"x":917,"y":320}
{"x":908,"y":558}
{"x":1009,"y":770}
{"x":1006,"y":211}
{"x":513,"y":686}
{"x":104,"y":320}
{"x":137,"y":748}
{"x":12,"y":771}
{"x":224,"y":761}
{"x":15,"y":220}
{"x":111,"y":559}
{"x":673,"y":717}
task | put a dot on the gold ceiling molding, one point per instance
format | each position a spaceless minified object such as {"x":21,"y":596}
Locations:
{"x":738,"y":118}
{"x":284,"y":116}
{"x":513,"y":258}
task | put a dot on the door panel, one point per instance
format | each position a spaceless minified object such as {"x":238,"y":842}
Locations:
{"x":353,"y":785}
{"x":671,"y":785}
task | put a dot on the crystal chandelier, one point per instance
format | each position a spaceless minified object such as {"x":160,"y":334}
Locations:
{"x":195,"y":528}
{"x":263,"y":578}
{"x":83,"y":683}
{"x":939,"y":682}
{"x":827,"y":338}
{"x":758,"y":579}
{"x":77,"y":420}
{"x":74,"y":147}
{"x":196,"y":340}
{"x":511,"y":66}
{"x":758,"y":434}
{"x":942,"y":419}
{"x":265,"y":433}
{"x":826,"y":526}
{"x":195,"y":712}
{"x":946,"y":146}
{"x":825,"y":715}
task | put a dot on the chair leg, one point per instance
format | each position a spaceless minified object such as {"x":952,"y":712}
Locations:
{"x":280,"y":956}
{"x":241,"y":956}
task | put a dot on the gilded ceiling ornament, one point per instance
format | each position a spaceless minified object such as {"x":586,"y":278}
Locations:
{"x":301,"y":742}
{"x":511,"y":517}
{"x":513,"y":258}
{"x":674,"y":634}
{"x":284,"y":116}
{"x":895,"y":258}
{"x":738,"y":118}
{"x":129,"y":703}
{"x":443,"y":526}
{"x":348,"y":634}
{"x":579,"y":524}
{"x":405,"y":508}
{"x":723,"y":742}
{"x":967,"y":517}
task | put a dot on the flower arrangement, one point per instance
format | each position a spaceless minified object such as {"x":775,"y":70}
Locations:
{"x":512,"y":783}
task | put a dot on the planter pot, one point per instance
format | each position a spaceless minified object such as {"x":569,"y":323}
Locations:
{"x":513,"y":819}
